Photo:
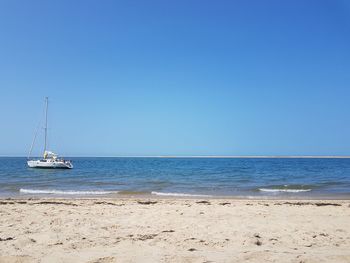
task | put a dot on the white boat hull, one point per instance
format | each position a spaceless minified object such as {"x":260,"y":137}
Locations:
{"x":50,"y":164}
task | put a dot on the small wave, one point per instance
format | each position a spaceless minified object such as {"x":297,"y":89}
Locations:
{"x":124,"y":192}
{"x":179,"y":194}
{"x":284,"y":190}
{"x":60,"y":192}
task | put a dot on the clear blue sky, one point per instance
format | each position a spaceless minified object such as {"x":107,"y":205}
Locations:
{"x":176,"y":77}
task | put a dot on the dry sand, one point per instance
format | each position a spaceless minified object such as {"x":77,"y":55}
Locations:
{"x":174,"y":230}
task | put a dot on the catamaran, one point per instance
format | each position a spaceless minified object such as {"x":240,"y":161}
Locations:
{"x":50,"y":160}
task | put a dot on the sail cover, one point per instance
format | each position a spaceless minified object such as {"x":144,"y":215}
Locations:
{"x":49,"y":154}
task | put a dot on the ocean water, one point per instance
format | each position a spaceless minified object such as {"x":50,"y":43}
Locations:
{"x":240,"y":177}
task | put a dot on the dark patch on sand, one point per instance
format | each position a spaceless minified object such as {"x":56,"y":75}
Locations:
{"x":147,"y":202}
{"x":308,"y":203}
{"x":145,"y":237}
{"x":258,"y":242}
{"x":203,"y":202}
{"x":54,"y":203}
{"x":6,"y":239}
{"x":168,"y":231}
{"x":107,"y":203}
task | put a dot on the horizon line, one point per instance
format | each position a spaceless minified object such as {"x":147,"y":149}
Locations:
{"x":208,"y":156}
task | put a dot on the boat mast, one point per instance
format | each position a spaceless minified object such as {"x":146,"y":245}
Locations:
{"x":45,"y":128}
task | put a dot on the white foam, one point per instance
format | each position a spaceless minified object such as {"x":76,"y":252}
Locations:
{"x":284,"y":190}
{"x":179,"y":194}
{"x":60,"y":192}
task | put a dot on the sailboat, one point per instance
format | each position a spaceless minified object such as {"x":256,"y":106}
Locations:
{"x":50,"y":160}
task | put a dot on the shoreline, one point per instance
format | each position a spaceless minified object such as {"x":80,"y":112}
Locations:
{"x":131,"y":198}
{"x":179,"y":196}
{"x":161,"y":199}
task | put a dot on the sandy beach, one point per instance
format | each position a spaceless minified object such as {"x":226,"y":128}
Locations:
{"x":174,"y":230}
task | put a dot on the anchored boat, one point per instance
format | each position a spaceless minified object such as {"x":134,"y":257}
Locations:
{"x":50,"y":160}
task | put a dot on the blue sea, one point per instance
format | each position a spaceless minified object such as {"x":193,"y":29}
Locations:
{"x":187,"y":177}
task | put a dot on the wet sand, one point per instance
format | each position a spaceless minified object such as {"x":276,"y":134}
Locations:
{"x":174,"y":230}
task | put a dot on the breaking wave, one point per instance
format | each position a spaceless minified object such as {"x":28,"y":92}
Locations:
{"x":284,"y":190}
{"x":68,"y":192}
